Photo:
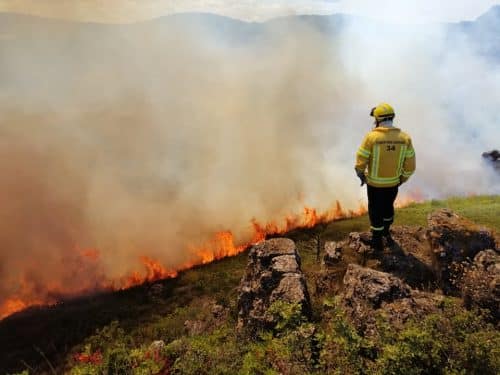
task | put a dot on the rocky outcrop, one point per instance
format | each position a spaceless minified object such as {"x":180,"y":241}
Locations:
{"x":368,"y":292}
{"x":372,"y":287}
{"x":359,"y":242}
{"x":407,"y":280}
{"x":409,"y":258}
{"x":273,"y":274}
{"x":481,"y":283}
{"x":493,"y":157}
{"x":454,"y":243}
{"x":451,"y":254}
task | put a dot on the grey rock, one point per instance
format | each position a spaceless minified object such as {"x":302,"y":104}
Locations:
{"x":273,"y":274}
{"x":372,"y":287}
{"x":285,"y":264}
{"x":454,"y":242}
{"x":481,"y":283}
{"x":368,"y":292}
{"x":291,"y":289}
{"x":410,"y":257}
{"x":360,"y":242}
{"x":493,"y":155}
{"x":333,"y":253}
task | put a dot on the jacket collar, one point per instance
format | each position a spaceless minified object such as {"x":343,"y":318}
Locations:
{"x":384,"y":129}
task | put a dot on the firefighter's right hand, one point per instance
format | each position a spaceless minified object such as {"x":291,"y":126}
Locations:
{"x":363,"y":180}
{"x":362,"y":177}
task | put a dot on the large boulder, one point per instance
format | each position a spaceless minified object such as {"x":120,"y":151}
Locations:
{"x":454,"y":242}
{"x":481,"y":283}
{"x":493,"y":155}
{"x":273,"y":274}
{"x":368,"y":293}
{"x":410,"y":258}
{"x":368,"y":286}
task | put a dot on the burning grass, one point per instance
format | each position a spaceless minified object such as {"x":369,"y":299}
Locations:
{"x":221,"y":245}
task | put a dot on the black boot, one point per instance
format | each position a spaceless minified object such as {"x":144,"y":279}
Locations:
{"x":376,"y":243}
{"x":387,"y":235}
{"x":388,"y":239}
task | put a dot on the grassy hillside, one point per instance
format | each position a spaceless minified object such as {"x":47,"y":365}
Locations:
{"x":111,"y":333}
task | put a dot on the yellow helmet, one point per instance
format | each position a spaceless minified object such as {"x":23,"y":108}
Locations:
{"x":382,"y":112}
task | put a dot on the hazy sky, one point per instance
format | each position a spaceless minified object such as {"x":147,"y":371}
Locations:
{"x":396,"y":11}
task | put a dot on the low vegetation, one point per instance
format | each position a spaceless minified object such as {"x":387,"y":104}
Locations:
{"x":452,"y":342}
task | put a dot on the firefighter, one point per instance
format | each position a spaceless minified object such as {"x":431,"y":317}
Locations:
{"x":384,"y":161}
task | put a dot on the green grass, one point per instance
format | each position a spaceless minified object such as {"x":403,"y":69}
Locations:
{"x":483,"y":210}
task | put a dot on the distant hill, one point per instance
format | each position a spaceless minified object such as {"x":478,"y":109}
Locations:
{"x":16,"y":26}
{"x":484,"y":31}
{"x":81,"y":48}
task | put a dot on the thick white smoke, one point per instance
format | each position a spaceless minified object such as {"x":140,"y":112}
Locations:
{"x":445,"y":94}
{"x":146,"y":139}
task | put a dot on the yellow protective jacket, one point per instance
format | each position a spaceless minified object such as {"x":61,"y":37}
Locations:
{"x":389,"y":155}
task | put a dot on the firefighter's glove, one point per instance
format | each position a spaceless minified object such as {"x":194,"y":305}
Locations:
{"x":362,"y":177}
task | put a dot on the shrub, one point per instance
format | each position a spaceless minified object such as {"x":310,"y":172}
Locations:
{"x":215,"y":353}
{"x":343,"y":350}
{"x":452,"y":342}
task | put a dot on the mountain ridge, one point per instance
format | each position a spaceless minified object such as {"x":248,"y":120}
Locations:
{"x":483,"y":32}
{"x":493,"y":11}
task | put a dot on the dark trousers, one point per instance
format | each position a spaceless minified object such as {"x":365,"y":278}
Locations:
{"x":381,"y":208}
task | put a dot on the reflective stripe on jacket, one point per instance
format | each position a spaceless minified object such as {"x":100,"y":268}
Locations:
{"x":389,"y":155}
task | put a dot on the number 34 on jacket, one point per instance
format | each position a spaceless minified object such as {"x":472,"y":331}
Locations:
{"x":388,"y":154}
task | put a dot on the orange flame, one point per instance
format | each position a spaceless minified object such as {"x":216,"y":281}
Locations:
{"x":220,"y":246}
{"x":12,"y":306}
{"x":406,"y":199}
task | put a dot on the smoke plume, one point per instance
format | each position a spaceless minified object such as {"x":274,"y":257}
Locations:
{"x":144,"y":140}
